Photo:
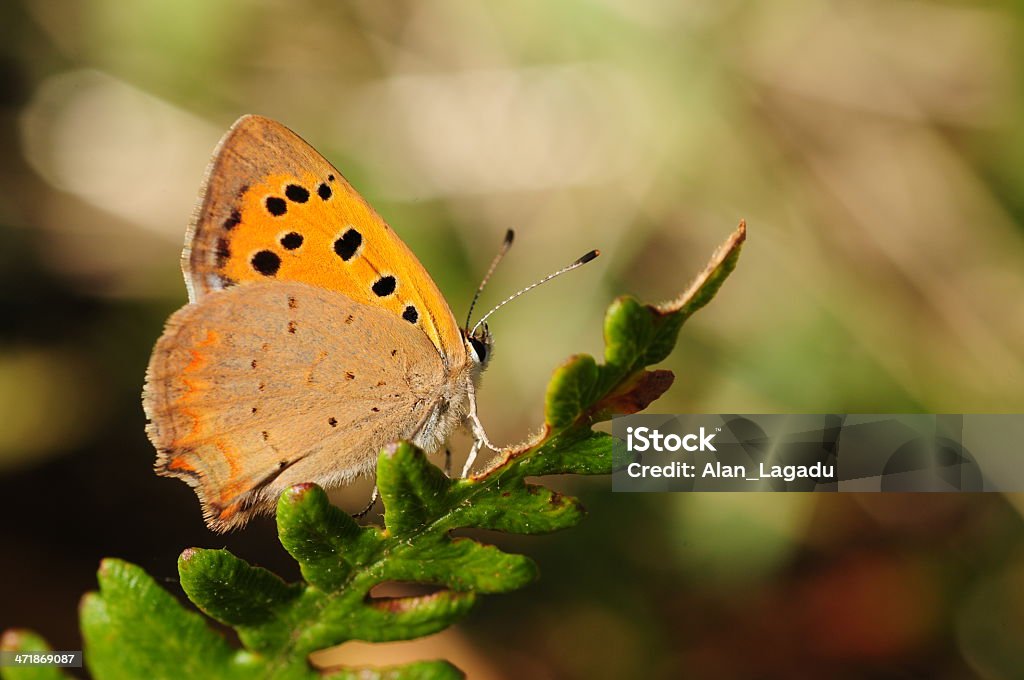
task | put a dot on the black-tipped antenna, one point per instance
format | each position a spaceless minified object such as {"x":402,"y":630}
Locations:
{"x":505,"y":245}
{"x":578,"y":263}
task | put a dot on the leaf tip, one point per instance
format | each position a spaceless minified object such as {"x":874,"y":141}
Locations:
{"x":88,"y":601}
{"x":297,"y":492}
{"x":704,"y":287}
{"x":109,"y":566}
{"x":13,"y":638}
{"x":191,"y":563}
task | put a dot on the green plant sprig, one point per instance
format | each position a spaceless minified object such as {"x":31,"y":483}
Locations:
{"x":133,"y":628}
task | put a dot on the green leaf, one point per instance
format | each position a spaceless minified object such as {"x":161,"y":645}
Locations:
{"x":570,"y":390}
{"x":413,"y":491}
{"x":133,"y":628}
{"x":314,"y":532}
{"x":256,"y":595}
{"x":628,"y":334}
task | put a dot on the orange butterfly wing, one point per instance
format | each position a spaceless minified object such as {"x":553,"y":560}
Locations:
{"x":273,"y":208}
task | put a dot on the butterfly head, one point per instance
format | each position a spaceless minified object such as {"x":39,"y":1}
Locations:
{"x":478,"y":344}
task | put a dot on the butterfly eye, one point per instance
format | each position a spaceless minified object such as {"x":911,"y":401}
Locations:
{"x":480,"y":347}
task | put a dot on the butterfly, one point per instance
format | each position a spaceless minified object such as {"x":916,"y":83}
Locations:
{"x":312,"y":337}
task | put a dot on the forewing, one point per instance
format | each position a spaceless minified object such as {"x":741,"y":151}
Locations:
{"x":274,"y":208}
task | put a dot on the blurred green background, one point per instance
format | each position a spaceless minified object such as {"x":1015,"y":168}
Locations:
{"x":875,"y":148}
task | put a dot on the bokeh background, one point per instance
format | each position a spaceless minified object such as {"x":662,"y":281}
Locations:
{"x":874,"y":147}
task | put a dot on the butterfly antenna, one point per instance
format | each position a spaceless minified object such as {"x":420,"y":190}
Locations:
{"x":505,"y":245}
{"x":575,"y":265}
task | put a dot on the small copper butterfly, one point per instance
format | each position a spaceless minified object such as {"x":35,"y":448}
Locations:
{"x":313,"y":336}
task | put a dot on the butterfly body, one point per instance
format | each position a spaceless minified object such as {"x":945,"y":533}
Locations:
{"x":312,"y":338}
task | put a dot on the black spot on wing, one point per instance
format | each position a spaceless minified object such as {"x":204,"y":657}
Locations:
{"x":347,"y":245}
{"x":384,"y":286}
{"x":296,"y":193}
{"x":291,"y":240}
{"x":266,"y":262}
{"x":276,"y":206}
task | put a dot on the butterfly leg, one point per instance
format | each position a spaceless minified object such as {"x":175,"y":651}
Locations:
{"x":369,"y":506}
{"x":448,"y":462}
{"x":479,"y":435}
{"x":472,"y":457}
